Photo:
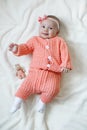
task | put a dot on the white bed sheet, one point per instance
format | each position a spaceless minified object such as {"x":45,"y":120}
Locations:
{"x":18,"y":22}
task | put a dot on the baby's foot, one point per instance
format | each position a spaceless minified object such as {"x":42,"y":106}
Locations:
{"x":15,"y":108}
{"x":16,"y":105}
{"x":41,"y":106}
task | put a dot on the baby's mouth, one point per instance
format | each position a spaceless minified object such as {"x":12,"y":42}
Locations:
{"x":45,"y":34}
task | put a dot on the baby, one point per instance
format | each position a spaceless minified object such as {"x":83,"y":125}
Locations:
{"x":50,"y":59}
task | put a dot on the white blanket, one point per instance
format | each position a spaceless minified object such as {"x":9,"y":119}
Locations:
{"x":18,"y":22}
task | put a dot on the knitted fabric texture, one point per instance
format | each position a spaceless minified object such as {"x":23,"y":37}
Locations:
{"x":49,"y":55}
{"x":42,"y":82}
{"x":42,"y":49}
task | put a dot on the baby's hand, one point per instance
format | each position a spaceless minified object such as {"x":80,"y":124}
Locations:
{"x":13,"y":47}
{"x":65,"y":69}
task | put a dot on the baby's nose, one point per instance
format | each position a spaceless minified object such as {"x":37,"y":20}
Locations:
{"x":46,"y":29}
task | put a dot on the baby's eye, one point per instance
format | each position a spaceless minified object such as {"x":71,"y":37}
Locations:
{"x":50,"y":28}
{"x":43,"y":26}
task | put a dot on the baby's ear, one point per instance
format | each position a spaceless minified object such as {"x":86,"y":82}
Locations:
{"x":57,"y":32}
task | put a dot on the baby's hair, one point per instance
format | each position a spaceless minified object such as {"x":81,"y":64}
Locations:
{"x":54,"y":17}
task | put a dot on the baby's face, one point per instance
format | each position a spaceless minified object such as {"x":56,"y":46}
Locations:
{"x":48,"y":29}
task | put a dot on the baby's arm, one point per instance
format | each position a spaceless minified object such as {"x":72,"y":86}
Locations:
{"x":65,"y":57}
{"x":22,"y":49}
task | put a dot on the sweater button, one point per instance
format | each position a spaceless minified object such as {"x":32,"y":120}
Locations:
{"x":47,"y":47}
{"x":49,"y":58}
{"x":48,"y":65}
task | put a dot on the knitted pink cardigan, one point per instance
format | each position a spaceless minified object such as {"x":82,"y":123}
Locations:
{"x":42,"y":49}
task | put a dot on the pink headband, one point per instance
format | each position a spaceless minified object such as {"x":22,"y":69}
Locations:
{"x":40,"y":19}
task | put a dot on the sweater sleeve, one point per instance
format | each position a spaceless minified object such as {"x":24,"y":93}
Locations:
{"x":26,"y":48}
{"x":65,"y":56}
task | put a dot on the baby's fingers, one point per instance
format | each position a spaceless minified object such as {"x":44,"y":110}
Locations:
{"x":11,"y":46}
{"x":66,"y":70}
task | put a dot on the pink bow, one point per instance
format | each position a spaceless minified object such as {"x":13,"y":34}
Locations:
{"x":40,"y":19}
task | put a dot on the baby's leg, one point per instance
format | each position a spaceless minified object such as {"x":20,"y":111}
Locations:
{"x":24,"y":91}
{"x":16,"y":105}
{"x":47,"y":97}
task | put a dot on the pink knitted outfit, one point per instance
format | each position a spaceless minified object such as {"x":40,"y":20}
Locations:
{"x":49,"y":55}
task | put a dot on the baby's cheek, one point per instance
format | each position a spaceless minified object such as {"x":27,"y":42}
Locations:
{"x":52,"y":34}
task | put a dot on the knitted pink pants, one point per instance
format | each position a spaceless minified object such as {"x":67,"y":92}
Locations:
{"x":42,"y":82}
